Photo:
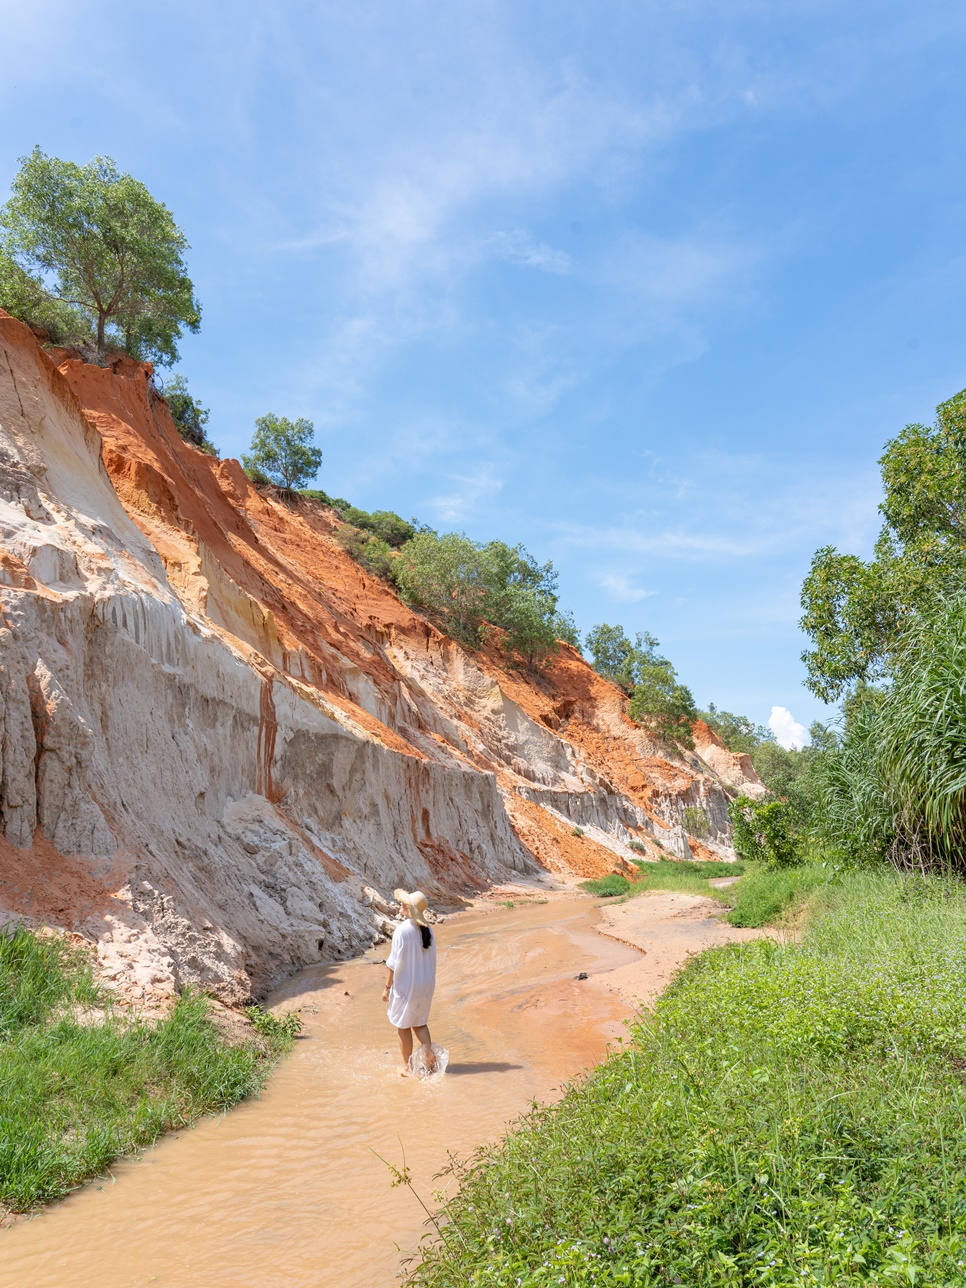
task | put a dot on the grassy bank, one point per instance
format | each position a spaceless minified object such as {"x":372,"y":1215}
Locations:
{"x":789,"y":1114}
{"x":80,"y":1086}
{"x":763,"y":895}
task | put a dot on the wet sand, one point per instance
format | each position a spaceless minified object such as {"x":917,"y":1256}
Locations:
{"x":287,"y":1190}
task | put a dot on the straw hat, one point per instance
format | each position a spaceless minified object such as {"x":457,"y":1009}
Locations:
{"x":417,"y":904}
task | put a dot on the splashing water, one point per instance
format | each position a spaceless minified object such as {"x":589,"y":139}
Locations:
{"x":429,"y":1062}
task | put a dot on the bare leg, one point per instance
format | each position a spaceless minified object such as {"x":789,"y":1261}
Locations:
{"x":422,"y":1033}
{"x":405,"y":1047}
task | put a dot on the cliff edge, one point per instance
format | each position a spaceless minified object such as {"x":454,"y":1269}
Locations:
{"x":220,"y":736}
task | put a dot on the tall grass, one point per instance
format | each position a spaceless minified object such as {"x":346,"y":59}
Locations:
{"x":789,"y":1114}
{"x":766,"y":895}
{"x":77,"y":1089}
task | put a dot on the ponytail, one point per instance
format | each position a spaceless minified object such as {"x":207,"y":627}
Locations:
{"x":427,"y":935}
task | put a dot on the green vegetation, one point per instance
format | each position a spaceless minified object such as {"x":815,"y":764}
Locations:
{"x":189,"y":416}
{"x":282,"y":452}
{"x":268,"y":1025}
{"x":669,"y":874}
{"x":789,"y":1114}
{"x":861,"y":614}
{"x":469,"y":588}
{"x":81,"y":1085}
{"x":766,"y":895}
{"x":87,"y":253}
{"x":658,"y":701}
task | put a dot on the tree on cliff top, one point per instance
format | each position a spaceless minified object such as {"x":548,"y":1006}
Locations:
{"x":658,"y":701}
{"x":95,"y":240}
{"x":282,"y":452}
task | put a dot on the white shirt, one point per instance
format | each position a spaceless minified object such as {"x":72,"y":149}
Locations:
{"x":414,"y":977}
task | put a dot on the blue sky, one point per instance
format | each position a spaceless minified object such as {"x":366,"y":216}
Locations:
{"x":644,"y":285}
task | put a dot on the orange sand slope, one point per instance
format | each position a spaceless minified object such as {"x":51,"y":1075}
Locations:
{"x":215,"y":718}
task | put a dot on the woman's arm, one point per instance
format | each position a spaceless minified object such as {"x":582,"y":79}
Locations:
{"x":385,"y":991}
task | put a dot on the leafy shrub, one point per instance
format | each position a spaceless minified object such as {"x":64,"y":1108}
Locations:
{"x":577,"y":831}
{"x":468,"y":587}
{"x":368,"y":551}
{"x":639,"y":846}
{"x":764,"y":831}
{"x":189,"y":416}
{"x":385,"y":525}
{"x":695,"y":821}
{"x":26,"y":298}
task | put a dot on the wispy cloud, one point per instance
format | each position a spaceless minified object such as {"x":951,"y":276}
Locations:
{"x":519,"y":247}
{"x":469,"y":492}
{"x":623,"y":589}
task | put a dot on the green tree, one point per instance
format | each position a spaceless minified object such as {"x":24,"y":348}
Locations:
{"x":189,"y":416}
{"x":765,"y":831}
{"x":658,"y":700}
{"x":857,"y":611}
{"x":468,"y":587}
{"x":738,"y":733}
{"x":282,"y":452}
{"x":95,"y":239}
{"x":24,"y":297}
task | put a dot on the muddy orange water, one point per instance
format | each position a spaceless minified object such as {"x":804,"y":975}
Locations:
{"x":286,"y":1190}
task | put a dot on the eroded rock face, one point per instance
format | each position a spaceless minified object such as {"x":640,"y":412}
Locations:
{"x":223,"y":744}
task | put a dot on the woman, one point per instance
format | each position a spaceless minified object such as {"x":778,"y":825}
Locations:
{"x":412,"y":977}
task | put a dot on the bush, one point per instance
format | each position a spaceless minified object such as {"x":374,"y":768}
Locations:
{"x":695,"y":821}
{"x":369,"y":552}
{"x":469,"y":588}
{"x":764,"y":831}
{"x":268,"y":1025}
{"x":189,"y":416}
{"x":24,"y":297}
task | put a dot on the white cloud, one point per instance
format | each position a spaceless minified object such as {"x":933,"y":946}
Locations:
{"x":622,"y":588}
{"x":786,"y":728}
{"x":519,"y":247}
{"x":471,"y":489}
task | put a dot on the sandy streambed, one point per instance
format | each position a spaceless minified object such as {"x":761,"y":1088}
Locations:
{"x":288,"y":1190}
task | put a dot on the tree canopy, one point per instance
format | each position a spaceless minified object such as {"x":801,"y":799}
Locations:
{"x":855,"y":611}
{"x":468,"y":586}
{"x":658,"y":701}
{"x":93,"y":240}
{"x":282,"y":452}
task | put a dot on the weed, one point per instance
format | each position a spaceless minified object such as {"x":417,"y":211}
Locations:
{"x":577,"y":831}
{"x":267,"y":1025}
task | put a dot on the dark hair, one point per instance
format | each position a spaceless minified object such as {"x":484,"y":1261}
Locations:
{"x":427,"y":935}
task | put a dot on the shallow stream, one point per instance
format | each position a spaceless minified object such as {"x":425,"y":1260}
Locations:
{"x":287,"y":1191}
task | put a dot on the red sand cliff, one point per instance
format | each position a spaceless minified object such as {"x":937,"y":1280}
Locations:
{"x":368,"y":744}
